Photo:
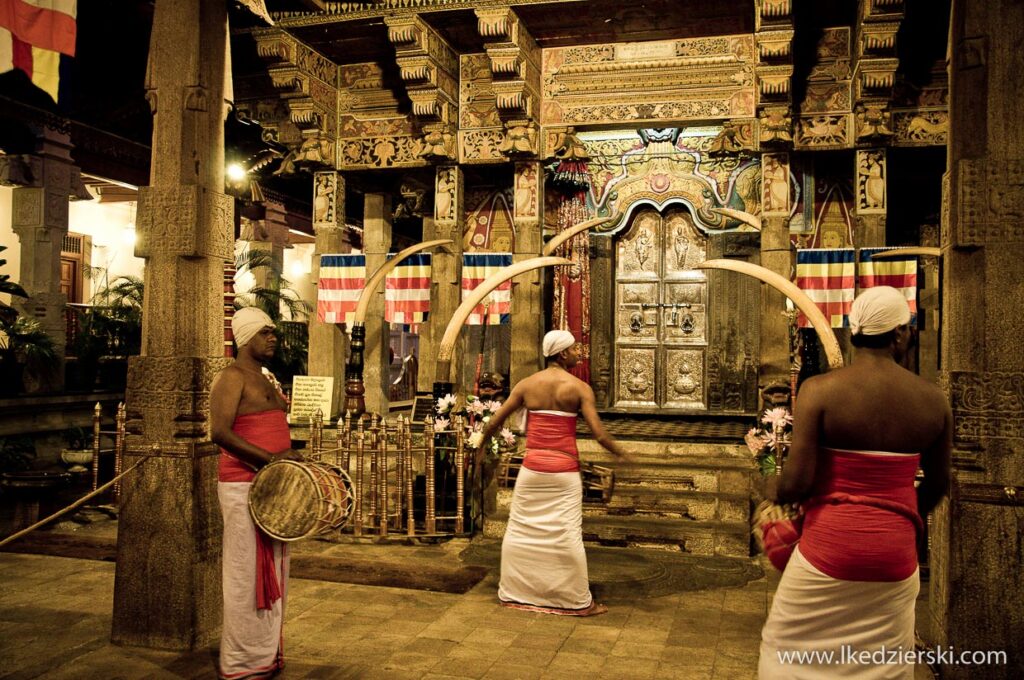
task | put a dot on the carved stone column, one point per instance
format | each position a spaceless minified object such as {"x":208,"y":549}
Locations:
{"x":871,"y":173}
{"x":776,"y":255}
{"x":376,"y":244}
{"x":427,"y":366}
{"x":168,"y":579}
{"x":40,"y":219}
{"x":527,"y":293}
{"x":977,"y":586}
{"x":327,"y":344}
{"x":449,"y":216}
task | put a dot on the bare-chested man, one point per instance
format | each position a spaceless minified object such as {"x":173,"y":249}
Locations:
{"x":859,"y":436}
{"x":248,"y":422}
{"x":543,"y":564}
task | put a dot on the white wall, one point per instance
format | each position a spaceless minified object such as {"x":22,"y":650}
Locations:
{"x":112,"y":228}
{"x":10,"y":239}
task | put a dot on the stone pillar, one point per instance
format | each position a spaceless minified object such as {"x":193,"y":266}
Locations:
{"x":40,"y":219}
{"x":376,"y":245}
{"x":977,"y":585}
{"x":527,"y":290}
{"x":871,"y":175}
{"x":272,"y":238}
{"x":776,"y":255}
{"x":445,"y":295}
{"x":327,"y":343}
{"x":167,"y":590}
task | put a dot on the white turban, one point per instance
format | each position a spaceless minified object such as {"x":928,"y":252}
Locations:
{"x":247,"y":322}
{"x":878,"y":310}
{"x":556,"y":341}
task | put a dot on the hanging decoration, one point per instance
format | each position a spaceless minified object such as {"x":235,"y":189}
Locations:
{"x":571,"y":309}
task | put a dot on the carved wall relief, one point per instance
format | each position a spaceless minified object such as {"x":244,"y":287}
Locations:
{"x":990,"y":202}
{"x":684,"y":378}
{"x":707,"y":78}
{"x":832,"y":131}
{"x":775,"y":198}
{"x":445,"y":195}
{"x":871,"y":180}
{"x":325,"y":186}
{"x":921,"y":128}
{"x":636,"y":377}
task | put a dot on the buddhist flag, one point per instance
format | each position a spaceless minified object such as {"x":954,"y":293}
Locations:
{"x":475,"y":268}
{"x":342,"y":278}
{"x":407,"y":292}
{"x":827,"y":276}
{"x":898,"y":272}
{"x":33,"y":35}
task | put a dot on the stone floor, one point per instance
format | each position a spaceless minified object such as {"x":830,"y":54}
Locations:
{"x":55,"y":617}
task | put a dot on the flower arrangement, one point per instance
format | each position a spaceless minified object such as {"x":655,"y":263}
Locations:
{"x":770,"y":439}
{"x":475,"y":413}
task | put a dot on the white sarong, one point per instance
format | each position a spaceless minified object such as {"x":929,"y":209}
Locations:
{"x":543,"y":563}
{"x":251,"y":643}
{"x":815,"y":613}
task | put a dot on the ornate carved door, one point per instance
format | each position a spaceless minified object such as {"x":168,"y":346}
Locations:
{"x":661,"y":336}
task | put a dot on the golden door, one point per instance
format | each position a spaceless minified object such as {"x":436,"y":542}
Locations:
{"x":661,"y":320}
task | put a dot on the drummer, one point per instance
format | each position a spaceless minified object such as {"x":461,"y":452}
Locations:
{"x":248,"y":422}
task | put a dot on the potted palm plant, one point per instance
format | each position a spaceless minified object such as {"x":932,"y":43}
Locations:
{"x":23,"y":344}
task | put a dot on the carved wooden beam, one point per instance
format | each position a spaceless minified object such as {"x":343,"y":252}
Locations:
{"x":429,"y":67}
{"x":773,"y":34}
{"x":515,"y":65}
{"x":875,"y":64}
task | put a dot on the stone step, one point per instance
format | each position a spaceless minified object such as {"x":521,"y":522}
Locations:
{"x":635,"y":499}
{"x":690,"y":536}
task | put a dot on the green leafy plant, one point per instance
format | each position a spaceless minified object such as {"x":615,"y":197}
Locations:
{"x":25,"y":341}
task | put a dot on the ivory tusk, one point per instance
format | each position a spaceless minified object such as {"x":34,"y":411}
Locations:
{"x":563,"y":236}
{"x":451,"y":333}
{"x":385,"y":269}
{"x":793,"y":292}
{"x":744,"y":217}
{"x":900,"y":252}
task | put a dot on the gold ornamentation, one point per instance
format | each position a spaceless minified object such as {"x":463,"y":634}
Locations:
{"x":449,"y":183}
{"x":775,"y":199}
{"x":735,"y":136}
{"x":481,"y":145}
{"x":438,"y":144}
{"x":520,"y":140}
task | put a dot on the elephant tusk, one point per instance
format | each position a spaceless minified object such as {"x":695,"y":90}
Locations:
{"x":451,"y":333}
{"x":385,"y":269}
{"x":744,"y":217}
{"x":563,"y":236}
{"x":900,"y":252}
{"x":793,"y":292}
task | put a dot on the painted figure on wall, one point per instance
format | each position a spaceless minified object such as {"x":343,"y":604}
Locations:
{"x":775,"y":174}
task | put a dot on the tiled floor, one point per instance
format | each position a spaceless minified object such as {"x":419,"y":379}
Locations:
{"x":55,"y":617}
{"x":55,"y":620}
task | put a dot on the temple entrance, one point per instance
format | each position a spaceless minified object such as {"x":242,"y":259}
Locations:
{"x":661,"y":315}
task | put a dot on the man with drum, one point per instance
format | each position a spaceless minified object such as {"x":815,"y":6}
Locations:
{"x":543,"y":564}
{"x":248,"y":423}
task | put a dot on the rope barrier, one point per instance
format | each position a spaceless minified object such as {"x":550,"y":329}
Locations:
{"x":80,"y":501}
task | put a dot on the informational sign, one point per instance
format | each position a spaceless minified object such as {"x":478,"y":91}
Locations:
{"x":309,"y":393}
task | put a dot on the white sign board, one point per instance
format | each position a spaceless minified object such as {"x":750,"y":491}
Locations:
{"x":309,"y":393}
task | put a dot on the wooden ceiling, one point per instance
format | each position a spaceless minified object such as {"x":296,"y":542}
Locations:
{"x":550,"y":24}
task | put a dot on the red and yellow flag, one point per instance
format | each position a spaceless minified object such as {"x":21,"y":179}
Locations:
{"x":33,"y":35}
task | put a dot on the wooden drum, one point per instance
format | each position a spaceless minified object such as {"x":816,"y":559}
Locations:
{"x":290,"y":500}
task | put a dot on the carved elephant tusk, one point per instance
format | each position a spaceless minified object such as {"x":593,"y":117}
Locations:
{"x":563,"y":236}
{"x":900,"y":252}
{"x":451,"y":333}
{"x":744,"y":217}
{"x":799,"y":298}
{"x":386,"y":268}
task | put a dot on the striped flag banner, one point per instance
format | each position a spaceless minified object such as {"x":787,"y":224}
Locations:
{"x":33,"y":35}
{"x":827,"y":276}
{"x":342,"y":278}
{"x":407,"y":292}
{"x":898,"y":272}
{"x":475,"y":268}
